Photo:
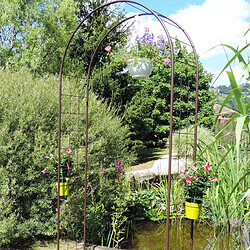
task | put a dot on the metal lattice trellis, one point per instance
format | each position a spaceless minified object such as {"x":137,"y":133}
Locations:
{"x":74,"y":112}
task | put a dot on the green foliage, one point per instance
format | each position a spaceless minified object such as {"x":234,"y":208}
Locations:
{"x":34,"y":33}
{"x":228,"y":200}
{"x":183,"y":141}
{"x":29,"y":130}
{"x":151,"y":202}
{"x":66,"y":165}
{"x":91,"y":32}
{"x":223,"y":91}
{"x":145,"y":104}
{"x":198,"y":179}
{"x":242,"y":118}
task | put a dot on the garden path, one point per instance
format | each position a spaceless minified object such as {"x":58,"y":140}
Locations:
{"x":160,"y":167}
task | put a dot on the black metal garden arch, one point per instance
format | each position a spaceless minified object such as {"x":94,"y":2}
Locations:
{"x":164,"y":21}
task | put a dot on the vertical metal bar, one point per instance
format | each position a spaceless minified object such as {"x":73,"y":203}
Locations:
{"x":183,"y":233}
{"x":86,"y":162}
{"x":196,"y":106}
{"x":170,"y":142}
{"x":59,"y":152}
{"x":70,"y":127}
{"x":191,"y":234}
{"x":77,"y":160}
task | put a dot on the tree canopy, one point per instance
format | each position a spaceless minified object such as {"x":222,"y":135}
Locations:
{"x":34,"y":34}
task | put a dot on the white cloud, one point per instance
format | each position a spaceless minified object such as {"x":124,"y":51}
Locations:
{"x":209,"y":24}
{"x":213,"y":22}
{"x":223,"y":78}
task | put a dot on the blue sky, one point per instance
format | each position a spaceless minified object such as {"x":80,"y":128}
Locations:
{"x":208,"y":22}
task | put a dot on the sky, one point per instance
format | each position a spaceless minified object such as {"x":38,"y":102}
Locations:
{"x":208,"y":23}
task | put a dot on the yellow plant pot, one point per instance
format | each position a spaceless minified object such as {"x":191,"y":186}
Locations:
{"x":64,"y":188}
{"x":192,"y":210}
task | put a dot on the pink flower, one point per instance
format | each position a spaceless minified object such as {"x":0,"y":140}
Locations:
{"x":188,"y":180}
{"x":185,"y":171}
{"x":108,"y":48}
{"x":44,"y":171}
{"x":102,"y":170}
{"x":74,"y":169}
{"x":207,"y":168}
{"x":69,"y":151}
{"x":217,"y":179}
{"x":167,"y":61}
{"x":196,"y":177}
{"x":234,"y":223}
{"x":125,"y":56}
{"x":212,"y":179}
{"x":194,"y":168}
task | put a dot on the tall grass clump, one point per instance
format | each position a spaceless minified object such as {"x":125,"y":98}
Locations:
{"x":183,"y":140}
{"x":228,"y":201}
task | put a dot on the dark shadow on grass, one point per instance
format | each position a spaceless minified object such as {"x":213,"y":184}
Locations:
{"x":151,"y":154}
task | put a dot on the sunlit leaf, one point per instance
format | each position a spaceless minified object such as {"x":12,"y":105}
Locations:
{"x":239,"y":126}
{"x":231,"y":60}
{"x":237,"y":93}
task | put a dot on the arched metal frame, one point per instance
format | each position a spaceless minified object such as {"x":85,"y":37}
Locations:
{"x":160,"y":18}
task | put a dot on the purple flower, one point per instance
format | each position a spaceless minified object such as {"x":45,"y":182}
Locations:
{"x":102,"y":170}
{"x":119,"y":168}
{"x":234,"y":223}
{"x":160,"y":37}
{"x":161,"y":52}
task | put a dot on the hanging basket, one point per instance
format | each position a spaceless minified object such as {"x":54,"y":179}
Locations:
{"x":140,"y":68}
{"x":64,"y":188}
{"x":192,"y":210}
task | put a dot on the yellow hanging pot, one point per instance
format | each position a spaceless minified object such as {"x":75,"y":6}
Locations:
{"x":192,"y":210}
{"x":64,"y":188}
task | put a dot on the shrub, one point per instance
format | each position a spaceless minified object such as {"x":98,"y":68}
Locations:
{"x":29,"y":131}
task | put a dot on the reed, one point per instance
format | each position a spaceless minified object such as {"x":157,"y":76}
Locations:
{"x":228,"y":202}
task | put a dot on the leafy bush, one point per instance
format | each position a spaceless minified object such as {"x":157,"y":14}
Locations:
{"x":29,"y":131}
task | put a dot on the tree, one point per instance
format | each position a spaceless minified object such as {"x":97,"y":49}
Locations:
{"x":145,"y":104}
{"x":34,"y":34}
{"x":92,"y":31}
